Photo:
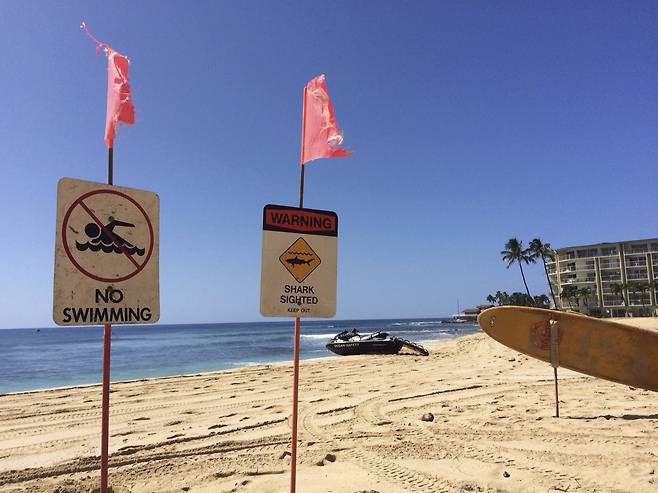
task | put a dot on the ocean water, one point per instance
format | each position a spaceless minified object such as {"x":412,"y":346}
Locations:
{"x":55,"y":357}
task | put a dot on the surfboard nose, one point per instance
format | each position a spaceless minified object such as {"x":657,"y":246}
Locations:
{"x":486,"y":320}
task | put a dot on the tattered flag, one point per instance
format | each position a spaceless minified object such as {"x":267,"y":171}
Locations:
{"x":321,"y":136}
{"x":120,"y":107}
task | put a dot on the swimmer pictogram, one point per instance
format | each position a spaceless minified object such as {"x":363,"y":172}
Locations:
{"x":107,"y":240}
{"x":125,"y":233}
{"x":300,"y":259}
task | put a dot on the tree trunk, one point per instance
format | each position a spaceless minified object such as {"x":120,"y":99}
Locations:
{"x":548,"y":280}
{"x":526,"y":284}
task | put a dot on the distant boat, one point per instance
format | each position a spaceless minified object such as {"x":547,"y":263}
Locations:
{"x":461,"y":317}
{"x":349,"y":343}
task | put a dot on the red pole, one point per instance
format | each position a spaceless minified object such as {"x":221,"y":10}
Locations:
{"x":105,"y":416}
{"x":295,"y":377}
{"x":107,"y":343}
{"x":295,"y":402}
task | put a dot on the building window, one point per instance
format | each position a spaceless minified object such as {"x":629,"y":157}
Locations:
{"x":637,"y":249}
{"x":614,"y":275}
{"x":590,"y":252}
{"x":636,"y":262}
{"x":636,"y":274}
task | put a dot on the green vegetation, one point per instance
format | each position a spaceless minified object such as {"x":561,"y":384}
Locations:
{"x":629,"y":293}
{"x":519,"y":299}
{"x":515,"y":253}
{"x":623,"y":293}
{"x":543,"y":251}
{"x":618,"y":291}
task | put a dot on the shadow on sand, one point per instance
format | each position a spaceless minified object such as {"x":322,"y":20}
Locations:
{"x":629,"y":417}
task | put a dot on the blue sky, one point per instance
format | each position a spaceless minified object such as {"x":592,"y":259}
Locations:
{"x":472,"y":122}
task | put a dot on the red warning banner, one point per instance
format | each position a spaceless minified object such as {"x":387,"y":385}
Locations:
{"x":296,"y":220}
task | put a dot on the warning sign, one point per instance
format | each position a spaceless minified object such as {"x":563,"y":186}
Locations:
{"x":300,"y":259}
{"x":298,"y":275}
{"x":106,"y":255}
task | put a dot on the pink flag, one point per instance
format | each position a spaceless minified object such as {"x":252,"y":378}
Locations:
{"x":119,"y":100}
{"x":321,"y":136}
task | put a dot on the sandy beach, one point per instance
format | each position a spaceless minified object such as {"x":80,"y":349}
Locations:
{"x":360,"y":429}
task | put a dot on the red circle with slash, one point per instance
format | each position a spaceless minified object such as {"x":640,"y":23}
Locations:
{"x":79,"y":202}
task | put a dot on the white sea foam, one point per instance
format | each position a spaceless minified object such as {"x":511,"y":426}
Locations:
{"x":417,"y":324}
{"x":317,"y":336}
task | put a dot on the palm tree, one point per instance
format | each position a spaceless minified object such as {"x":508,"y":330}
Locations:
{"x":633,"y":289}
{"x":514,"y":252}
{"x":654,"y":285}
{"x":503,"y":298}
{"x":569,"y":293}
{"x":491,"y":299}
{"x":584,"y":294}
{"x":544,"y":251}
{"x":542,"y":301}
{"x":642,"y":288}
{"x":618,"y":290}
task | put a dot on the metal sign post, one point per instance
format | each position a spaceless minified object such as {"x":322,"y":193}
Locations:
{"x":106,"y":266}
{"x":555,"y":359}
{"x":107,"y":344}
{"x":298,"y":275}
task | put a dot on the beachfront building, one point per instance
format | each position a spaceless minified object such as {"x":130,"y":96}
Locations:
{"x":607,"y":279}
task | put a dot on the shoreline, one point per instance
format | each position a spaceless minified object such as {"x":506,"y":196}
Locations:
{"x":359,"y":429}
{"x":648,"y":323}
{"x":92,"y":379}
{"x":200,"y":373}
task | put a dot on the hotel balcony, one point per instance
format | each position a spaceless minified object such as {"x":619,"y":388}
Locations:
{"x":611,"y":300}
{"x":581,"y":280}
{"x":641,"y":274}
{"x":639,"y":302}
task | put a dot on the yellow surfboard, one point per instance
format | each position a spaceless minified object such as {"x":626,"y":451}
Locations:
{"x":604,"y":349}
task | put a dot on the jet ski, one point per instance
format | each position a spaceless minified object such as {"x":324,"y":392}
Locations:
{"x":352,"y":342}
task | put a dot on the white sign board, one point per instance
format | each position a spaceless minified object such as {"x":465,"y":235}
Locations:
{"x":106,"y":255}
{"x":298,"y":268}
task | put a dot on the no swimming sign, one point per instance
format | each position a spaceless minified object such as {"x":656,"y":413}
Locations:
{"x":298,"y":269}
{"x":106,"y":255}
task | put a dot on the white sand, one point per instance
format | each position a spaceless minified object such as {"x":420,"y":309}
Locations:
{"x":228,"y":431}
